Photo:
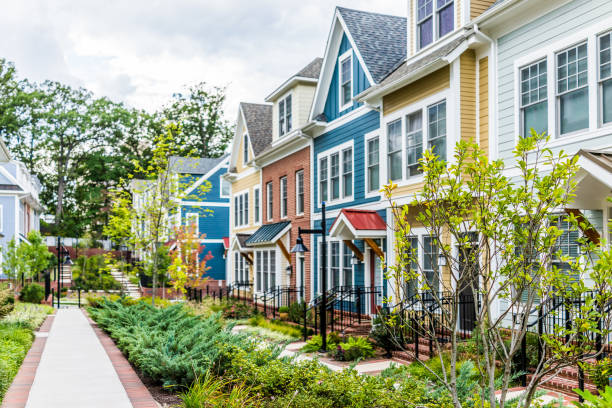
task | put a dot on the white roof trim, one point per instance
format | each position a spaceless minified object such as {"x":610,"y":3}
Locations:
{"x":596,"y":171}
{"x":221,"y":164}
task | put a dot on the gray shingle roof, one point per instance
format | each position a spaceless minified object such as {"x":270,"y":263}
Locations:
{"x":242,"y":239}
{"x":193,"y":165}
{"x":404,"y":69}
{"x":258,"y":119}
{"x":380,"y":38}
{"x":266,"y":233}
{"x":312,"y":70}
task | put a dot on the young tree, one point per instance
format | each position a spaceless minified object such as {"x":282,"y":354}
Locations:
{"x":36,"y":254}
{"x":498,"y":237}
{"x":187,"y":270}
{"x":13,"y":262}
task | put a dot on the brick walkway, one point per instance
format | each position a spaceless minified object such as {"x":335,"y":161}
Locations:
{"x":74,"y":364}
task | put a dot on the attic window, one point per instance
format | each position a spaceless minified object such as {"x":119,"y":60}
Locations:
{"x":346,"y":79}
{"x":245,"y":149}
{"x":284,"y":116}
{"x":435,"y":18}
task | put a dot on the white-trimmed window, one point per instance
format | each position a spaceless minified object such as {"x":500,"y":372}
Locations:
{"x":270,"y":200}
{"x":284,"y":116}
{"x":257,"y":205}
{"x":394,"y":150}
{"x":345,"y":72}
{"x":435,"y":19}
{"x":245,"y":148}
{"x":534,"y":98}
{"x":192,"y":220}
{"x":340,"y":267}
{"x":241,"y":209}
{"x":265,"y":270}
{"x":605,"y":77}
{"x":225,"y":188}
{"x":336,"y":173}
{"x":436,"y":123}
{"x":240,"y":268}
{"x":283,"y":194}
{"x":572,"y":89}
{"x":430,"y":262}
{"x":373,"y":146}
{"x":414,"y":143}
{"x":299,"y":192}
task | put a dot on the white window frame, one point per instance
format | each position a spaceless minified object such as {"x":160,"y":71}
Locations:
{"x":523,"y":107}
{"x":262,"y":268}
{"x":348,"y":55}
{"x":229,"y":188}
{"x":189,"y":220}
{"x":577,"y":88}
{"x":368,"y":137}
{"x":342,"y":248}
{"x":257,"y":208}
{"x":328,"y":153}
{"x":284,"y":198}
{"x":245,"y":148}
{"x":269,"y":200}
{"x":435,"y":24}
{"x":284,"y":129}
{"x":601,"y":81}
{"x":242,"y":211}
{"x":299,"y":175}
{"x":595,"y":129}
{"x":423,"y":105}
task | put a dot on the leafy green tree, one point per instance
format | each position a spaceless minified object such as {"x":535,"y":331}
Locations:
{"x":14,"y":264}
{"x":36,"y":254}
{"x":510,"y":259}
{"x":198,"y":113}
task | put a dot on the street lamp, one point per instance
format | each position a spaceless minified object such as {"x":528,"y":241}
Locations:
{"x":301,"y":248}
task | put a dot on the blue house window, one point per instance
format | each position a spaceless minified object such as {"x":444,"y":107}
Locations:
{"x":346,"y":79}
{"x":225,"y":188}
{"x":373,"y":165}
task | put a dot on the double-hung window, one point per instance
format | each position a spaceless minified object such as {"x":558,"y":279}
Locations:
{"x":270,"y":198}
{"x":241,"y":209}
{"x":414,"y":142}
{"x":394,"y":150}
{"x":245,"y":148}
{"x":283,"y":193}
{"x":225,"y":188}
{"x":240,"y":268}
{"x":265,"y":270}
{"x":373,"y":164}
{"x":236,"y":210}
{"x":299,"y":192}
{"x":605,"y":77}
{"x":335,"y":176}
{"x":534,"y":99}
{"x":435,"y":19}
{"x":436,"y":138}
{"x":284,"y":116}
{"x":346,"y":81}
{"x":567,"y":244}
{"x":572,"y":89}
{"x":323,"y":179}
{"x":347,"y":266}
{"x":347,"y":172}
{"x":256,"y":205}
{"x":335,"y":264}
{"x":430,"y":262}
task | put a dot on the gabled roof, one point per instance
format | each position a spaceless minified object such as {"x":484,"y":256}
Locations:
{"x":193,"y":165}
{"x":241,"y":240}
{"x":269,"y":233}
{"x":312,"y":70}
{"x":358,"y":224}
{"x":309,"y":74}
{"x":258,"y":121}
{"x":380,"y":39}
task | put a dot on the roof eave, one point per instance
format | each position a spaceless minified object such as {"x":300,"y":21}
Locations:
{"x":290,"y":83}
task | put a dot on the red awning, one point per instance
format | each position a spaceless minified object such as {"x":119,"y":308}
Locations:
{"x":356,"y":224}
{"x":225,"y":242}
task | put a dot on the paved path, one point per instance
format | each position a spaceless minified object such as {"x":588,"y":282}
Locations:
{"x":74,"y":369}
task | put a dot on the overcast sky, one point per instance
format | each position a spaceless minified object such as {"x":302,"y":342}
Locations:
{"x":140,"y":52}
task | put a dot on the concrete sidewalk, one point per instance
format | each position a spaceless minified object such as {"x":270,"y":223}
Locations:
{"x":75,"y":370}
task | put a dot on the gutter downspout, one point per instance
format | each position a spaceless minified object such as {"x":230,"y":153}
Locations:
{"x":493,"y":114}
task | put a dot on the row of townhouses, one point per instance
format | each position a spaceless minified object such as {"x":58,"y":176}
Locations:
{"x":386,"y":89}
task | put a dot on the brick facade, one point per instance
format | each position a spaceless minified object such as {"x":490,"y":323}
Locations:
{"x":288,"y":166}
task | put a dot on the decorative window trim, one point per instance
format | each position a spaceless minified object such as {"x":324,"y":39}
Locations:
{"x":367,"y":138}
{"x":327,"y":154}
{"x":342,"y":58}
{"x":423,"y":104}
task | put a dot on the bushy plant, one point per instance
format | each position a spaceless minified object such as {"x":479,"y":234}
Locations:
{"x":386,"y":332}
{"x":28,"y":315}
{"x":7,"y":301}
{"x":32,"y":293}
{"x":91,"y":273}
{"x":316,"y":343}
{"x":600,"y":372}
{"x":275,"y":325}
{"x":603,"y":400}
{"x":354,"y":348}
{"x":296,"y":312}
{"x":283,"y":309}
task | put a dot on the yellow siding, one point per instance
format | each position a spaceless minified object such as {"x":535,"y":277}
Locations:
{"x":247,"y":182}
{"x":467,"y":73}
{"x":424,"y":87}
{"x":483,"y":101}
{"x":479,"y":6}
{"x":408,"y":190}
{"x":458,"y":7}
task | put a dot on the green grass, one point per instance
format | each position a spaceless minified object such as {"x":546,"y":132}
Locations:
{"x":275,"y":325}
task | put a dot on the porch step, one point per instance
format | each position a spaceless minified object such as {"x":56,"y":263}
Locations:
{"x":564,"y":384}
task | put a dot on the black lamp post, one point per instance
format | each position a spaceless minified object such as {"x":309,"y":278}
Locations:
{"x":61,"y":251}
{"x":301,"y":248}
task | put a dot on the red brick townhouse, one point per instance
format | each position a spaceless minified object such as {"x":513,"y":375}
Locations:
{"x":285,"y":187}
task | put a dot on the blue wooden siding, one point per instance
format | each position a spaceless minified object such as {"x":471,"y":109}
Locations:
{"x":214,"y":224}
{"x":8,"y":219}
{"x":216,"y":263}
{"x":354,"y":130}
{"x":358,"y":270}
{"x":360,"y":84}
{"x":559,"y":24}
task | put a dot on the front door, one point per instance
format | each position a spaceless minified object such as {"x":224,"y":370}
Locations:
{"x":468,"y":272}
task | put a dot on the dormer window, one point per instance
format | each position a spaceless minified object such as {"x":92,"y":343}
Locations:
{"x":284,"y":116}
{"x":434,"y":16}
{"x":346,"y":80}
{"x":245,"y":148}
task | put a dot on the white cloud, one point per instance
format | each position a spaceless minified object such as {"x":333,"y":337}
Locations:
{"x":140,"y":52}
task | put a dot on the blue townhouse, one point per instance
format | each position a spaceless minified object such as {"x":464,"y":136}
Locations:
{"x":362,"y":49}
{"x":205,"y":202}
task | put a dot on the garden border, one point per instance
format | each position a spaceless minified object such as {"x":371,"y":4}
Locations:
{"x":137,"y":392}
{"x":19,"y":391}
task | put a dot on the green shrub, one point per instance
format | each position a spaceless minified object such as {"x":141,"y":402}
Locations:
{"x":91,"y":273}
{"x":32,"y":293}
{"x":7,"y":301}
{"x":603,"y":400}
{"x":316,"y":343}
{"x":283,"y":309}
{"x":386,"y":332}
{"x":296,"y":312}
{"x":354,"y":348}
{"x":28,"y":315}
{"x":600,"y":372}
